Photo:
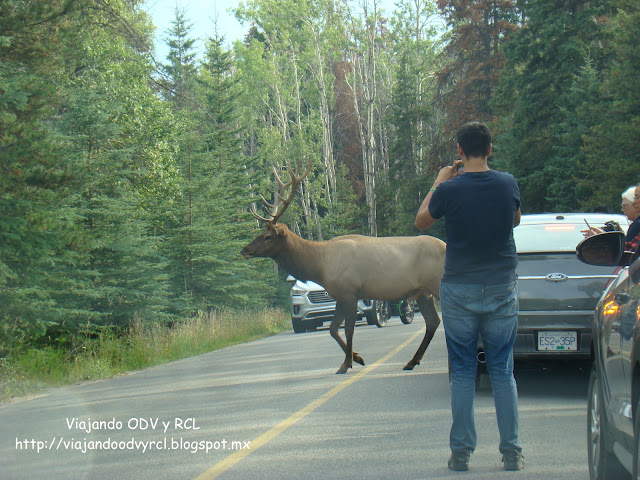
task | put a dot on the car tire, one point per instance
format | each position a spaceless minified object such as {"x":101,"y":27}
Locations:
{"x":382,"y":310}
{"x":298,"y":326}
{"x":636,"y":444}
{"x":372,"y":316}
{"x":406,"y":312}
{"x":603,"y":464}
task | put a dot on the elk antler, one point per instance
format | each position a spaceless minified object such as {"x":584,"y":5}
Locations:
{"x":280,"y":204}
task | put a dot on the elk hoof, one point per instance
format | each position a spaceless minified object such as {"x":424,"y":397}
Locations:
{"x":342,"y":370}
{"x":410,"y":365}
{"x":358,"y":359}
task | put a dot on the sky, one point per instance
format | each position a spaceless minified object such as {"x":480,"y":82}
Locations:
{"x":201,"y":14}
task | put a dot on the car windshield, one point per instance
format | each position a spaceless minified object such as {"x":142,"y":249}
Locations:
{"x":561,"y":237}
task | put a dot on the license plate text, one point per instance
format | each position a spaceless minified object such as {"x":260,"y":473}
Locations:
{"x":558,"y":341}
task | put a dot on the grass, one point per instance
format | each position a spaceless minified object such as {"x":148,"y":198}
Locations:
{"x":34,"y":370}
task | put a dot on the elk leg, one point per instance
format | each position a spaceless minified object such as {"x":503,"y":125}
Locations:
{"x":346,"y":312}
{"x":334,"y":331}
{"x":432,"y":320}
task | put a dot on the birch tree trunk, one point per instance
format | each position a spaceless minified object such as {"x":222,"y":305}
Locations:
{"x":327,"y":135}
{"x":363,"y":88}
{"x":281,"y":109}
{"x":304,"y":188}
{"x":417,"y":147}
{"x":368,"y":82}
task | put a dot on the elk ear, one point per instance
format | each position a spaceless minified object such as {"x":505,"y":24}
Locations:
{"x":280,"y":230}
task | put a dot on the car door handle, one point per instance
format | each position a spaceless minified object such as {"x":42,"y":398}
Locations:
{"x":622,"y":298}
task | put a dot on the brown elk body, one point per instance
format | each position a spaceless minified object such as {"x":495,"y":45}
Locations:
{"x":355,"y":266}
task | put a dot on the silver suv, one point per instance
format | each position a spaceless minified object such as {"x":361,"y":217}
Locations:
{"x":311,"y":306}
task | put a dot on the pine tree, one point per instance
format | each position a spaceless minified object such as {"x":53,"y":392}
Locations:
{"x":116,"y":162}
{"x":555,"y":41}
{"x":181,"y":68}
{"x":179,"y":247}
{"x":473,"y":59}
{"x":612,"y":146}
{"x":412,"y":114}
{"x":36,"y":218}
{"x":222,"y":226}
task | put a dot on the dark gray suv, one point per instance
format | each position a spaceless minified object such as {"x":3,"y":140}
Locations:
{"x":558,"y":293}
{"x":613,"y":412}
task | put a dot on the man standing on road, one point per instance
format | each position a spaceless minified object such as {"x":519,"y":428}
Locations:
{"x":478,"y":293}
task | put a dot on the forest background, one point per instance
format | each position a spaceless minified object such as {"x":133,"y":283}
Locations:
{"x":126,"y":180}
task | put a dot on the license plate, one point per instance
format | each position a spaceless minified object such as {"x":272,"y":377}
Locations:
{"x":558,"y":341}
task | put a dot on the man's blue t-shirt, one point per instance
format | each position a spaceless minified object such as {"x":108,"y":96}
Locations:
{"x":479,"y":210}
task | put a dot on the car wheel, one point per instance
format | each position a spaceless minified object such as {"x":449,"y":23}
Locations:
{"x":603,"y":464}
{"x":636,"y":444}
{"x":298,"y":326}
{"x":483,"y":380}
{"x":372,"y":315}
{"x":406,"y":313}
{"x":382,"y":313}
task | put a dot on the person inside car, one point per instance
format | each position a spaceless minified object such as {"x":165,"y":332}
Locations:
{"x":631,"y":244}
{"x":630,"y":210}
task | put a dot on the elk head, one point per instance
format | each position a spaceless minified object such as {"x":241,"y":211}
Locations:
{"x":271,"y":242}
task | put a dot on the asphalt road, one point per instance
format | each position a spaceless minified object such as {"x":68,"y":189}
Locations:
{"x":274,"y":409}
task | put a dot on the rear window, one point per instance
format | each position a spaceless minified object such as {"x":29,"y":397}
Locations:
{"x":557,"y":237}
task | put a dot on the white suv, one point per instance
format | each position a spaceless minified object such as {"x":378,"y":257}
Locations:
{"x":311,"y":306}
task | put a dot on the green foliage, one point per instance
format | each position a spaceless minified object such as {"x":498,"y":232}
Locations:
{"x":121,"y":268}
{"x":473,"y":58}
{"x":110,"y":352}
{"x":211,"y":220}
{"x":535,"y":98}
{"x":347,"y":216}
{"x":125,"y":191}
{"x":181,"y":67}
{"x":612,"y":146}
{"x":36,"y":215}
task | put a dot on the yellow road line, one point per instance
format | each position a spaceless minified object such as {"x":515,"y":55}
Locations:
{"x":224,"y":465}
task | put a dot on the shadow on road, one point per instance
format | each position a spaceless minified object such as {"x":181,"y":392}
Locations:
{"x":549,"y":379}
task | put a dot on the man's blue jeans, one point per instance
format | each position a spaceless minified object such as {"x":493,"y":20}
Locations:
{"x":491,"y":311}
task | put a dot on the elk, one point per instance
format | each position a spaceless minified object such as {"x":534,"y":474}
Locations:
{"x":350,"y":267}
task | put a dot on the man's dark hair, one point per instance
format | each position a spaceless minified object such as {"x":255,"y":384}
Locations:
{"x":474,"y":139}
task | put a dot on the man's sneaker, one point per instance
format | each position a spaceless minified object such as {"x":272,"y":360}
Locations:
{"x":513,"y":460}
{"x":459,"y":461}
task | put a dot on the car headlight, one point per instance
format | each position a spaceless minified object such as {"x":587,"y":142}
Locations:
{"x":297,"y":292}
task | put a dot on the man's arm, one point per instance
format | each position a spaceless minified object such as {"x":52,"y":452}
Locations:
{"x":424,"y":220}
{"x":516,"y":219}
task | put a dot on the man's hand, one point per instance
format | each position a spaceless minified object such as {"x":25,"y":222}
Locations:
{"x":592,"y":231}
{"x":447,"y":173}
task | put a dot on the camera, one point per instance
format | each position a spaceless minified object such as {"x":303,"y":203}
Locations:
{"x":612,"y":226}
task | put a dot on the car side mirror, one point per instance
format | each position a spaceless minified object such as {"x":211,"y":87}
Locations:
{"x":290,"y":279}
{"x":604,"y":249}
